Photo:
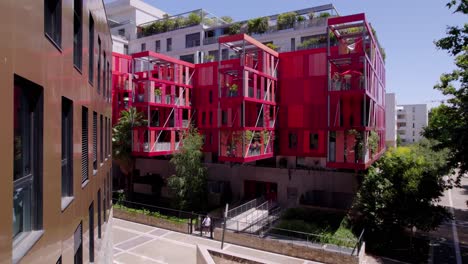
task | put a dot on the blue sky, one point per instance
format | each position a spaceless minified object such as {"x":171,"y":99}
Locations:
{"x":406,"y":30}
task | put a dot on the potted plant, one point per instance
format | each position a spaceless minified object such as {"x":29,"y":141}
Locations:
{"x":209,"y":58}
{"x":336,"y":82}
{"x":157,"y":95}
{"x":233,"y":90}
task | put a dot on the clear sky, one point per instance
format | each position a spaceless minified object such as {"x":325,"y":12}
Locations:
{"x":406,"y":30}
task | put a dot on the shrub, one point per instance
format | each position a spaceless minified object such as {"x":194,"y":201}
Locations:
{"x":257,"y":25}
{"x":193,"y":19}
{"x":286,"y":20}
{"x":325,"y":14}
{"x":234,"y":29}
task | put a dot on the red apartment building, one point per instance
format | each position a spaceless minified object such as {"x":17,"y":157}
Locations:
{"x":318,"y":107}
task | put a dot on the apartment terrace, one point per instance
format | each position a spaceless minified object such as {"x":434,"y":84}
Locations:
{"x":247,"y":97}
{"x":163,"y":90}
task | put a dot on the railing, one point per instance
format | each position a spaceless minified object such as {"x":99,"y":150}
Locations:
{"x":359,"y":243}
{"x":242,"y":208}
{"x":210,"y":40}
{"x":192,"y":43}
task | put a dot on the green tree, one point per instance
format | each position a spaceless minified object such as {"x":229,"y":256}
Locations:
{"x":400,"y":192}
{"x":257,"y":25}
{"x":190,"y":179}
{"x":227,"y":19}
{"x":449,"y":122}
{"x":122,"y":143}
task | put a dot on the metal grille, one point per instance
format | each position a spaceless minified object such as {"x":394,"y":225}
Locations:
{"x":84,"y":145}
{"x":94,"y":140}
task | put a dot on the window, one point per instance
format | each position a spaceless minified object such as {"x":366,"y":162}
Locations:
{"x":292,"y":140}
{"x":169,"y":44}
{"x":84,"y":145}
{"x":104,"y":85}
{"x":101,"y":139}
{"x":224,"y":117}
{"x":211,"y":118}
{"x":224,"y":54}
{"x":67,"y":147}
{"x":99,"y":66}
{"x":91,"y":49}
{"x":188,"y":58}
{"x":108,"y":81}
{"x":94,"y":142}
{"x":143,"y":46}
{"x":77,"y":33}
{"x":214,"y":54}
{"x":293,"y":44}
{"x":126,"y":49}
{"x":99,"y":212}
{"x":210,"y":97}
{"x":313,"y":141}
{"x":59,"y":261}
{"x":192,"y":40}
{"x":27,"y":156}
{"x":53,"y":21}
{"x":104,"y":207}
{"x":78,"y":245}
{"x":121,"y":32}
{"x":203,"y":118}
{"x":414,"y":133}
{"x":157,"y":46}
{"x":91,"y":232}
{"x":413,"y":125}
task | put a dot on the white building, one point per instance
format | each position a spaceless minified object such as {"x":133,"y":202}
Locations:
{"x":197,"y":42}
{"x":390,"y":120}
{"x":124,"y":16}
{"x":411,"y":119}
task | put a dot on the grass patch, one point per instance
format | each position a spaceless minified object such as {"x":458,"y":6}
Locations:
{"x":330,"y":227}
{"x":151,"y":213}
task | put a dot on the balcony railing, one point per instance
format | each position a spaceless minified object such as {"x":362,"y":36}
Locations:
{"x":192,"y":43}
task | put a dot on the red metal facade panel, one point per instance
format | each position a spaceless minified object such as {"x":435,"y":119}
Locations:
{"x":314,"y":103}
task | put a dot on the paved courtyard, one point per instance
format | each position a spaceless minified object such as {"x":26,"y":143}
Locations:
{"x":136,"y":243}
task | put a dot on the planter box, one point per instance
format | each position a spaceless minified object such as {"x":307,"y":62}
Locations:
{"x":288,"y":249}
{"x":150,"y":220}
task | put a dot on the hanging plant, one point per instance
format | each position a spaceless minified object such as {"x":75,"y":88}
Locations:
{"x":157,"y":92}
{"x":373,"y":142}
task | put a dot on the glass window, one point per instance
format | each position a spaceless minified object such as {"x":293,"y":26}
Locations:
{"x":99,"y":212}
{"x":53,"y":21}
{"x":104,"y":79}
{"x":84,"y":145}
{"x":101,"y":139}
{"x":77,"y":33}
{"x":126,"y":49}
{"x":99,"y":66}
{"x":313,"y":141}
{"x":292,"y":140}
{"x":211,"y":96}
{"x":67,"y":147}
{"x":91,"y":49}
{"x":169,"y":44}
{"x":188,"y":58}
{"x":211,"y":118}
{"x":78,"y":245}
{"x":157,"y":46}
{"x":121,"y":32}
{"x":192,"y":40}
{"x":91,"y":232}
{"x":27,"y":166}
{"x":143,"y":46}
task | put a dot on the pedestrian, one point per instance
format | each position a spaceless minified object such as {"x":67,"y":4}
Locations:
{"x":206,"y":223}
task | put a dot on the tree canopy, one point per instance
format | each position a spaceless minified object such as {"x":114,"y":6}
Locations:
{"x":189,"y":181}
{"x":448,"y":123}
{"x":400,"y":191}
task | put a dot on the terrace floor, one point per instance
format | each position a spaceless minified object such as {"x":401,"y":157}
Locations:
{"x":136,"y":243}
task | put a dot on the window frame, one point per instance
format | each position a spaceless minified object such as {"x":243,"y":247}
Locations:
{"x":91,"y":49}
{"x":78,"y":35}
{"x":30,"y":163}
{"x":52,"y":33}
{"x":67,"y":151}
{"x":84,"y":145}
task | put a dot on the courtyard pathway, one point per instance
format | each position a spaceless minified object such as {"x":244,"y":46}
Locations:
{"x":136,"y":243}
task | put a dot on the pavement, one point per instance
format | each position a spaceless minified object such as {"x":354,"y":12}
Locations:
{"x":449,"y":243}
{"x":136,"y":243}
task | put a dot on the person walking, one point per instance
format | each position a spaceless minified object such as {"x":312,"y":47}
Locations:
{"x":206,"y":223}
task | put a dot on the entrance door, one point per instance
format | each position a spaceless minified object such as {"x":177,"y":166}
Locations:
{"x":257,"y":189}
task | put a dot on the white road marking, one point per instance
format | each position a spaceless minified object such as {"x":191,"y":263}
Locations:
{"x":454,"y":231}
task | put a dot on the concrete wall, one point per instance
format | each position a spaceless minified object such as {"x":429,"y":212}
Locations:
{"x":288,"y":249}
{"x":297,"y":181}
{"x":390,"y":120}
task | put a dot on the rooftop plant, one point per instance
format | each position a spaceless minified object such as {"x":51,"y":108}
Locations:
{"x":325,"y":14}
{"x":286,"y":20}
{"x":272,"y":46}
{"x":257,"y":25}
{"x":234,"y":29}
